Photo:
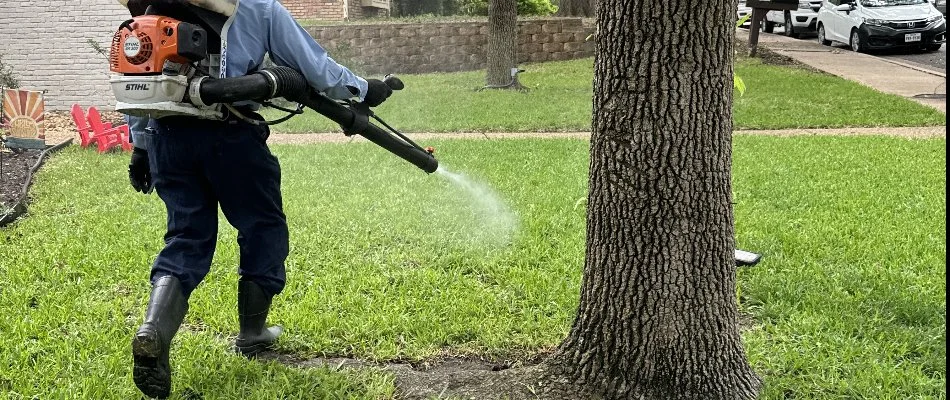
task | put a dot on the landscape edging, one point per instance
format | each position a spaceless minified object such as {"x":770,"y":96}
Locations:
{"x":19,"y":206}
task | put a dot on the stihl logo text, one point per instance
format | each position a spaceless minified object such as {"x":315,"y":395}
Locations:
{"x":136,"y":86}
{"x":132,"y":46}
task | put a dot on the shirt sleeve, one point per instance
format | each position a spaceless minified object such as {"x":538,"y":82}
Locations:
{"x":290,"y":45}
{"x":137,"y":127}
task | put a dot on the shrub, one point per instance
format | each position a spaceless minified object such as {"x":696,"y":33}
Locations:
{"x":7,"y":78}
{"x":525,"y":7}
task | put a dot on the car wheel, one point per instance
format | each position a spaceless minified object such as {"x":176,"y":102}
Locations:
{"x":821,"y":36}
{"x":789,"y":28}
{"x":768,"y":26}
{"x":857,"y":43}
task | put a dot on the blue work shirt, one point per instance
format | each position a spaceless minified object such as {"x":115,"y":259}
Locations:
{"x":259,"y":27}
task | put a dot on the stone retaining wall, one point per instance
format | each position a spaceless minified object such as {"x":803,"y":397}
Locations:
{"x":447,"y":47}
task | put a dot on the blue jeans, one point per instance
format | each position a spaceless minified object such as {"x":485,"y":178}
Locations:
{"x":197,"y":165}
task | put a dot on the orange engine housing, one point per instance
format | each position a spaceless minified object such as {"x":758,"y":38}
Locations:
{"x":142,"y":45}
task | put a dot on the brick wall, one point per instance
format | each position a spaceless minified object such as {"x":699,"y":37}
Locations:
{"x":330,"y":10}
{"x":46,"y":44}
{"x":446,"y":47}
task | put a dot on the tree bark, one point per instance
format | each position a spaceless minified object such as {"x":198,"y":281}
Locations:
{"x":502,"y":43}
{"x":658,"y":317}
{"x":576,"y":8}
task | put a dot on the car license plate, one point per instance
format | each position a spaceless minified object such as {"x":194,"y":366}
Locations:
{"x":911,"y":37}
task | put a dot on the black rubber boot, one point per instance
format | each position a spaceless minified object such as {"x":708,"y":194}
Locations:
{"x":253,"y":305}
{"x":167,"y":307}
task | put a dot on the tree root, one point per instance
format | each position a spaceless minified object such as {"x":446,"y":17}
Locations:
{"x":514,"y":84}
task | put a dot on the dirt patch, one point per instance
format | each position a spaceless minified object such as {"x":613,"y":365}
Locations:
{"x":445,"y":363}
{"x":14,"y":170}
{"x":770,"y":57}
{"x":448,"y":376}
{"x":60,"y":127}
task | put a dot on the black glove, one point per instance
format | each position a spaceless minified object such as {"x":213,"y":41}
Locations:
{"x":377,"y":92}
{"x":139,"y":174}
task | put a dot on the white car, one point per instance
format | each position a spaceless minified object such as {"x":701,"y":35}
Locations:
{"x":880,"y":24}
{"x":796,"y":22}
{"x":741,"y":12}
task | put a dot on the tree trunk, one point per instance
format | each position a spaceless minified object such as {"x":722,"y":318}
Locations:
{"x":658,"y":317}
{"x":576,"y":8}
{"x":502,"y":43}
{"x":449,"y":7}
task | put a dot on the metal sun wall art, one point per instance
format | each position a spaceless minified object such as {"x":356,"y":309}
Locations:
{"x":22,"y":115}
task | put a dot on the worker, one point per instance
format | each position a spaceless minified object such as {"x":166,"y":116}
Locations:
{"x":197,"y":164}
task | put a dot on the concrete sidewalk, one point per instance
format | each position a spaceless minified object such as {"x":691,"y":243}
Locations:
{"x":902,"y":79}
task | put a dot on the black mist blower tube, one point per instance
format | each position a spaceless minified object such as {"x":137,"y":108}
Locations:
{"x":262,"y":85}
{"x":346,"y":117}
{"x":287,"y":83}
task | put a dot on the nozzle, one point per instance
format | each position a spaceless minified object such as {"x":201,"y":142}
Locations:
{"x":394,"y":82}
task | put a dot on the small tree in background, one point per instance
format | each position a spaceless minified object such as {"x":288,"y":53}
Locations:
{"x":576,"y":8}
{"x":7,"y":78}
{"x":502,"y":54}
{"x":524,"y":7}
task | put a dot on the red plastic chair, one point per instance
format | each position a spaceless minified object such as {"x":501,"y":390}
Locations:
{"x":93,"y":131}
{"x":82,"y":124}
{"x":100,"y":128}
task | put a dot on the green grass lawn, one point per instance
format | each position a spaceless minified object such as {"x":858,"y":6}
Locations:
{"x":560,"y":100}
{"x":389,"y":263}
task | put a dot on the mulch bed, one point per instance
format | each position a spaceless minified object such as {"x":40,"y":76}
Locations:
{"x":16,"y":173}
{"x":14,"y":170}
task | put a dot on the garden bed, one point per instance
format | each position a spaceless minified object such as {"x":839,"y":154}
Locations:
{"x":16,"y":173}
{"x":14,"y":169}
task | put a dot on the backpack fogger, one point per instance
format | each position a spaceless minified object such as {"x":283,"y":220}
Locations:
{"x":166,"y":63}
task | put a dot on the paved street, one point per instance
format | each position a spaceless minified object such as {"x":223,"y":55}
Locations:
{"x":936,"y":60}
